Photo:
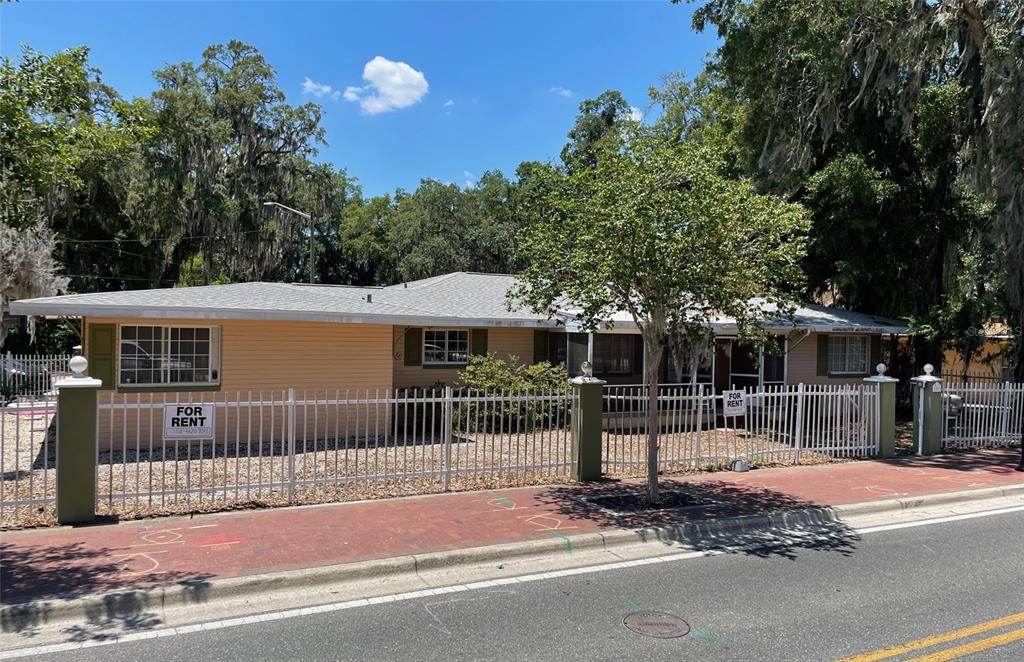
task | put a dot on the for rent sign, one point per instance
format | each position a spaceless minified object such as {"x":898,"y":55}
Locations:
{"x":734,"y":403}
{"x":188,"y":421}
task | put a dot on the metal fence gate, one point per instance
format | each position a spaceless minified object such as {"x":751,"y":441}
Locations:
{"x":783,"y":424}
{"x":979,"y":414}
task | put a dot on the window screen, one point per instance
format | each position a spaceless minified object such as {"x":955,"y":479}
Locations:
{"x":159,"y":355}
{"x":445,"y":347}
{"x":847,"y":355}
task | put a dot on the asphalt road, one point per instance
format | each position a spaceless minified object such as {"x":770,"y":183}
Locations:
{"x":847,"y":596}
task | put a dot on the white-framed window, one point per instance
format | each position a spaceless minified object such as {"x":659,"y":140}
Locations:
{"x":168,"y":355}
{"x":445,"y":347}
{"x":847,"y":355}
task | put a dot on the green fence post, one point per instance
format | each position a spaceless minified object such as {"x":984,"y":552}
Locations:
{"x":76,"y":445}
{"x":927,"y":405}
{"x":587,"y":408}
{"x":885,"y":422}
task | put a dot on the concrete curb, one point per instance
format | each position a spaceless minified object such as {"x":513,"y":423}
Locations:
{"x":703,"y":534}
{"x":938,"y":499}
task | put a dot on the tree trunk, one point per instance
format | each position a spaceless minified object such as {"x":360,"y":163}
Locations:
{"x":653,"y":349}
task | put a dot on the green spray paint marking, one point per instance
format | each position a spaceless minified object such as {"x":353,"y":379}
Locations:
{"x":504,"y":501}
{"x":568,"y":543}
{"x":702,"y":634}
{"x":633,"y":606}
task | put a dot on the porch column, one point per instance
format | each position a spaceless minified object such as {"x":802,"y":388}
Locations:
{"x":886,"y":423}
{"x":76,"y":445}
{"x":927,"y":406}
{"x":587,"y":405}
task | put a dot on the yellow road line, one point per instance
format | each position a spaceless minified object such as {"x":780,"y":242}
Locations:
{"x":973,"y":647}
{"x":935,"y":640}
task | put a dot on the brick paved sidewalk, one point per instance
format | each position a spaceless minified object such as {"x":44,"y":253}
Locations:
{"x":67,"y":562}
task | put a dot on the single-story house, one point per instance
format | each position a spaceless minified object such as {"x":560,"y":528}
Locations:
{"x":271,"y":336}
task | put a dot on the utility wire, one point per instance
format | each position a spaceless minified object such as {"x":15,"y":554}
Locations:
{"x":194,"y":236}
{"x":138,"y":278}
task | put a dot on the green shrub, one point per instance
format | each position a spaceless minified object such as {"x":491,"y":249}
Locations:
{"x":490,"y":375}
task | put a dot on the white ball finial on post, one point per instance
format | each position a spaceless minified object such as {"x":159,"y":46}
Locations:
{"x":880,"y":369}
{"x":78,"y":364}
{"x":928,"y":368}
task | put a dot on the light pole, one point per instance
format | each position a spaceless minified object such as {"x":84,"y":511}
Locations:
{"x":309,"y":219}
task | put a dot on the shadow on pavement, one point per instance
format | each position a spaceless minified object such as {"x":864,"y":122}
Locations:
{"x":34,"y":579}
{"x":990,"y":460}
{"x":729,"y":517}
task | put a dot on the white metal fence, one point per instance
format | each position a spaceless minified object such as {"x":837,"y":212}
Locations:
{"x":28,"y":453}
{"x":310,"y":446}
{"x":980,"y":414}
{"x":782,"y":424}
{"x":30,"y":375}
{"x":325,"y":445}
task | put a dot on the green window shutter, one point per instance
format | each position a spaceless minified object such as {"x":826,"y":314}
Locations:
{"x":102,"y":354}
{"x":822,"y":355}
{"x":540,"y":346}
{"x":875,"y":354}
{"x":413,"y":346}
{"x":478,"y":342}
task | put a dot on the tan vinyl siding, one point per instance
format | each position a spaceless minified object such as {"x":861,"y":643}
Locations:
{"x":803,"y":363}
{"x":507,"y":343}
{"x":270,"y":356}
{"x":500,"y":342}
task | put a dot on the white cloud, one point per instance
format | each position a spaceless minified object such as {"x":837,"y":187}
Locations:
{"x":389,"y":86}
{"x":319,"y":90}
{"x":635,"y":114}
{"x":561,"y":91}
{"x":449,"y":103}
{"x":470,"y":179}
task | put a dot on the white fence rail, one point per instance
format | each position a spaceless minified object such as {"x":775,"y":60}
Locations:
{"x":28,"y":455}
{"x":982,"y":414}
{"x":30,"y":375}
{"x":782,"y":424}
{"x":326,"y":445}
{"x":310,"y":446}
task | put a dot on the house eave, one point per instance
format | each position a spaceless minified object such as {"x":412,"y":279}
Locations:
{"x":77,"y":310}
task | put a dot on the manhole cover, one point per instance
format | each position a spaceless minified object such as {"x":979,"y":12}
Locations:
{"x":656,"y":624}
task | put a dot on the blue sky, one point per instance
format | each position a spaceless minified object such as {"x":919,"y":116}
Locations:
{"x":483,"y":85}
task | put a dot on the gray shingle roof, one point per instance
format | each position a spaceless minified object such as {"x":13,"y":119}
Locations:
{"x":455,"y":299}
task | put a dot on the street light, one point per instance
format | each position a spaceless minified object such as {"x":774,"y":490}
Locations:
{"x":310,"y":220}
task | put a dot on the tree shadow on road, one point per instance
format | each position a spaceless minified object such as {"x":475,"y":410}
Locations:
{"x":724,"y":516}
{"x":37,"y":582}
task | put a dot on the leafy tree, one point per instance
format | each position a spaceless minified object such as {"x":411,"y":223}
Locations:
{"x":225,"y":142}
{"x":598,"y":128}
{"x":56,"y":118}
{"x":929,"y":96}
{"x":27,"y":268}
{"x":656,"y":230}
{"x":370,"y":258}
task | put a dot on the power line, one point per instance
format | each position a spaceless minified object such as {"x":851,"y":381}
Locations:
{"x":155,"y":239}
{"x":138,"y":278}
